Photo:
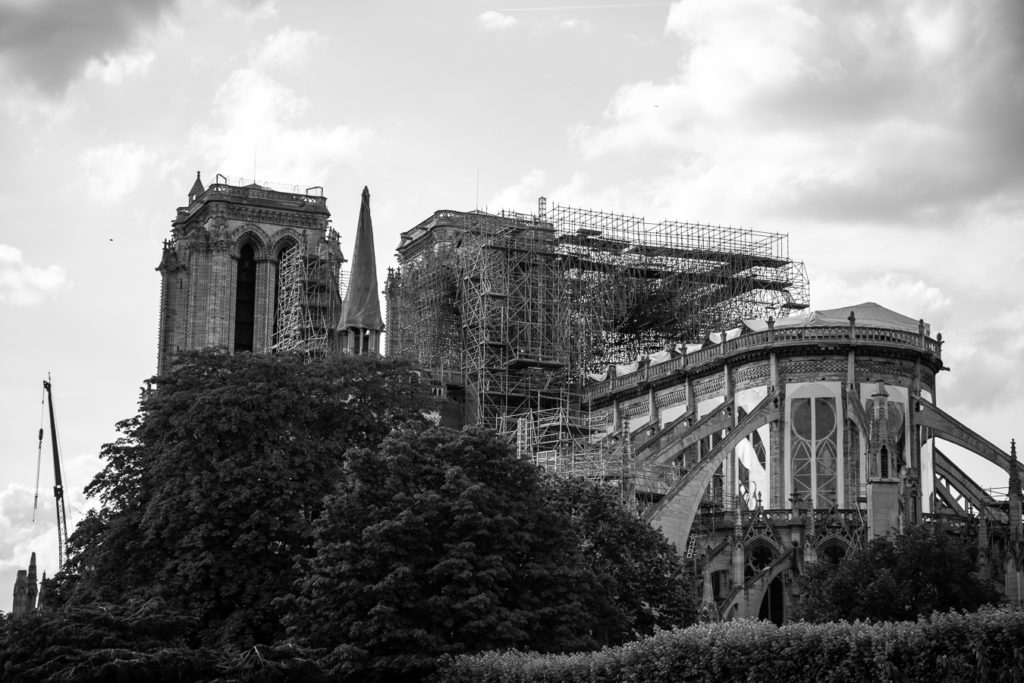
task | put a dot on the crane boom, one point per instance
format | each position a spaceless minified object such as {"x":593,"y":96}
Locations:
{"x":58,"y":485}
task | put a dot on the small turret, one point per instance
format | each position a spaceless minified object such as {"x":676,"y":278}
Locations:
{"x":197,"y":189}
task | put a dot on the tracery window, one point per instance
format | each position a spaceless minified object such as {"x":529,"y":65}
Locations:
{"x":814,"y":450}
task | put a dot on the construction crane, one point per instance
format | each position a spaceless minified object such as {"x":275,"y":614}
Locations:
{"x":58,"y":484}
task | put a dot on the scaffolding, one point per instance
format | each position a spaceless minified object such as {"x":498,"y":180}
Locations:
{"x":308,"y":302}
{"x":636,"y":286}
{"x":508,"y":312}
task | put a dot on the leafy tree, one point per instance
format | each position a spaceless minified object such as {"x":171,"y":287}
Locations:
{"x":135,"y":641}
{"x":442,"y":543}
{"x":914,"y":573}
{"x":641,"y":570}
{"x":211,"y":492}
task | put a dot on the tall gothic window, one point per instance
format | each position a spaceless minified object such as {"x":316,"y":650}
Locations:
{"x":245,"y":299}
{"x":813,"y":450}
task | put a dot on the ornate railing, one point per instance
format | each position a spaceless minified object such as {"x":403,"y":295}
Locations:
{"x":266,"y":193}
{"x":844,"y":335}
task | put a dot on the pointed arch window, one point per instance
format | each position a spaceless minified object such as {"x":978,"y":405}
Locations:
{"x":814,"y":450}
{"x":245,"y":299}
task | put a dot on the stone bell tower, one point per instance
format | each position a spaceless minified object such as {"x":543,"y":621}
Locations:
{"x":222,"y":270}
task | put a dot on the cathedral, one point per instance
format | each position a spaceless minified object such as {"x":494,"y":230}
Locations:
{"x":679,"y":363}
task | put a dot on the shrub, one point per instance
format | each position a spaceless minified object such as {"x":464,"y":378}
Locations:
{"x":983,"y":645}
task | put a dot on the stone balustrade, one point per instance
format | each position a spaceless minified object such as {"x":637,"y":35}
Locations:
{"x":850,"y":336}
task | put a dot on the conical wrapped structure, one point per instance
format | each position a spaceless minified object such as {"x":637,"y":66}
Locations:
{"x":361,"y":317}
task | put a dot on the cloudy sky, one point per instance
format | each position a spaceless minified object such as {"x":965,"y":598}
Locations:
{"x":886,"y":138}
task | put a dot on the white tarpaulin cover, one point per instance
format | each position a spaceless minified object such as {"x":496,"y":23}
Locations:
{"x":661,"y":357}
{"x":868,"y":314}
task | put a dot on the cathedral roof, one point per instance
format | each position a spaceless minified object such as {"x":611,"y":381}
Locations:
{"x":362,"y":304}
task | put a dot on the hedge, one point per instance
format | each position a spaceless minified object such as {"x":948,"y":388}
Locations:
{"x":987,"y":645}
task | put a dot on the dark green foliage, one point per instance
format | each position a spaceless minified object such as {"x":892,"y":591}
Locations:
{"x":982,"y":646}
{"x":640,"y":569}
{"x":443,"y":542}
{"x":213,"y":489}
{"x":914,"y":573}
{"x":132,"y":642}
{"x":140,"y":641}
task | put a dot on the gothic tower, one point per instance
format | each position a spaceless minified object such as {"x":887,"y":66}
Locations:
{"x":250,"y":268}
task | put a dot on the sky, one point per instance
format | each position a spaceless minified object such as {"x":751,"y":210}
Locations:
{"x":885,"y":138}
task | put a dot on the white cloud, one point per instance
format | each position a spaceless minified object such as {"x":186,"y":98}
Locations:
{"x":113,"y":171}
{"x":48,"y":43}
{"x":115,"y":69}
{"x":901,"y":292}
{"x":255,"y":113}
{"x":23,"y":104}
{"x":495,"y":21}
{"x":287,"y":47}
{"x":573,"y":24}
{"x":831,"y":111}
{"x":24,"y":285}
{"x":249,"y":11}
{"x":523,"y":195}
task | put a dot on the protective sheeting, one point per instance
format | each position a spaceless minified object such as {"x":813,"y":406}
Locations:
{"x":716,"y":337}
{"x":661,"y":357}
{"x":868,"y":314}
{"x":362,"y":305}
{"x":626,"y":369}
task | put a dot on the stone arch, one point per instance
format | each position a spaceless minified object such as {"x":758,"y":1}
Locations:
{"x":283,"y":239}
{"x":250,"y":234}
{"x":760,"y":539}
{"x":755,"y":588}
{"x":833,"y":548}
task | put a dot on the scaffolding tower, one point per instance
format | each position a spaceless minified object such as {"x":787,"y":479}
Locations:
{"x":508,"y":312}
{"x":308,"y":302}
